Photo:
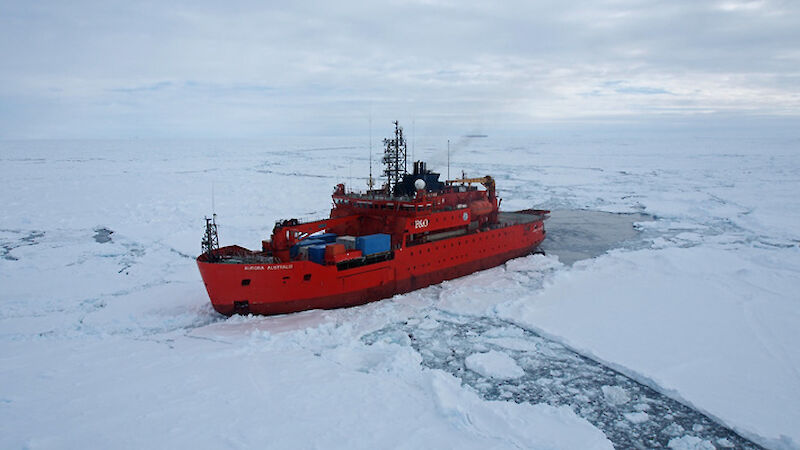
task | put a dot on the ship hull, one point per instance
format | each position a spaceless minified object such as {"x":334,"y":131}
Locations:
{"x":246,"y":288}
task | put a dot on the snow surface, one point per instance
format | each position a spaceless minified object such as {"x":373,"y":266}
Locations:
{"x":112,"y":343}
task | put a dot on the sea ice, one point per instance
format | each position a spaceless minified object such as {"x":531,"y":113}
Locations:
{"x":690,"y":443}
{"x":672,"y":314}
{"x":514,"y":425}
{"x":615,"y":395}
{"x":637,"y":417}
{"x":494,"y":364}
{"x":115,"y":341}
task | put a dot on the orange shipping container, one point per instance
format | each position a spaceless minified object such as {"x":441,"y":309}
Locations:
{"x":334,"y":250}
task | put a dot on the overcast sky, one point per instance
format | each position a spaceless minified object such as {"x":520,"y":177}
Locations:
{"x":257,"y":69}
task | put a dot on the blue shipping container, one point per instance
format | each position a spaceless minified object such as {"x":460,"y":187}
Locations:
{"x":316,"y":253}
{"x":293,"y":250}
{"x":374,"y":243}
{"x":325,"y":237}
{"x":310,"y":241}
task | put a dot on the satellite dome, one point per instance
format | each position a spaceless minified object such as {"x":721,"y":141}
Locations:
{"x":419,"y":184}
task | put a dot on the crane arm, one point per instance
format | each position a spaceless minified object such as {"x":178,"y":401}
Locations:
{"x":289,"y":232}
{"x":487,"y":182}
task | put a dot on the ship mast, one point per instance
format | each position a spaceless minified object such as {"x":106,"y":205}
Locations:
{"x":371,"y":181}
{"x":210,"y":242}
{"x":394,"y":157}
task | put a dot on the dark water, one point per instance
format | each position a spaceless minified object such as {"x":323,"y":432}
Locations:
{"x":102,"y":235}
{"x":632,"y":415}
{"x":573,"y":235}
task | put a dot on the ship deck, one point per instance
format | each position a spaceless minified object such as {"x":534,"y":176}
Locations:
{"x":505,"y":218}
{"x":241,"y":255}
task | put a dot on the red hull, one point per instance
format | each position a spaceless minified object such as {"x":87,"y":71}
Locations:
{"x":301,"y":285}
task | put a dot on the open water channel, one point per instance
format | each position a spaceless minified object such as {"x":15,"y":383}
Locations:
{"x":631,"y":414}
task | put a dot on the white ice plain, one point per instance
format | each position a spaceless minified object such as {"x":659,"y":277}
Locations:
{"x":115,"y":345}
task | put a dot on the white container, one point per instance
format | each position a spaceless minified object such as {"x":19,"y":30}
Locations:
{"x":349,"y":242}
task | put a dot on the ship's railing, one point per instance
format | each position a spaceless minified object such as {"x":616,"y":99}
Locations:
{"x":253,"y":258}
{"x":365,"y":260}
{"x":384,"y":197}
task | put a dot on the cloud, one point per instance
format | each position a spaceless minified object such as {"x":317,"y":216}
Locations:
{"x":149,"y":87}
{"x":254,"y":68}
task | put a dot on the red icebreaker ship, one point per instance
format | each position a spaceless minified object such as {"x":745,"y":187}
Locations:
{"x":414,"y":232}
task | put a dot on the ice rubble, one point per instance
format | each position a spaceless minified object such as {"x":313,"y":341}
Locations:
{"x":553,"y":375}
{"x":494,"y":364}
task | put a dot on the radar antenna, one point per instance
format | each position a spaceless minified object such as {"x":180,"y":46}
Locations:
{"x":394,"y":157}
